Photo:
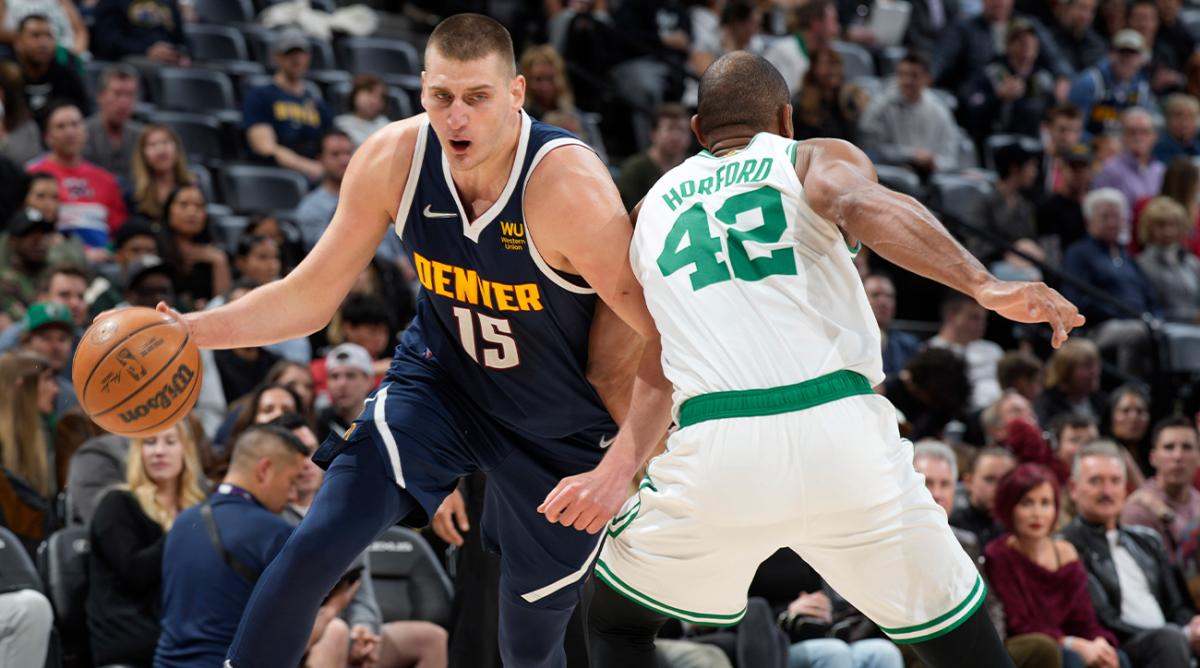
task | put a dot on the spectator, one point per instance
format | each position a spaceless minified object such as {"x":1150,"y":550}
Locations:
{"x":670,"y":139}
{"x":242,"y":369}
{"x":201,"y":268}
{"x":363,"y":320}
{"x":1134,"y":589}
{"x":392,"y":645}
{"x":1006,"y":212}
{"x":967,"y":47}
{"x":1173,"y":39}
{"x":898,"y":346}
{"x":547,"y":88}
{"x":1040,"y":579}
{"x":908,"y":126}
{"x":1060,"y":219}
{"x":26,"y":246}
{"x":351,"y":379}
{"x":127,"y":533}
{"x":285,"y":234}
{"x":42,"y":196}
{"x":931,"y":391}
{"x":1105,"y":90}
{"x":1167,"y":502}
{"x":28,"y":619}
{"x":20,"y":139}
{"x":92,"y":207}
{"x":1072,"y":431}
{"x":24,"y":446}
{"x":265,"y":403}
{"x":1182,"y":116}
{"x":816,"y":27}
{"x":316,"y":209}
{"x":826,"y":105}
{"x":1181,"y":183}
{"x":1165,"y":64}
{"x":364,"y":110}
{"x":134,"y":241}
{"x":928,"y":22}
{"x":284,"y":122}
{"x":67,"y":25}
{"x":46,"y":79}
{"x":963,"y":325}
{"x":1074,"y":37}
{"x":257,"y":259}
{"x":1009,"y":95}
{"x":299,"y":379}
{"x":1135,"y":171}
{"x":203,"y":594}
{"x":148,"y":282}
{"x":1172,"y":271}
{"x":655,"y":41}
{"x":974,"y":512}
{"x":1072,"y":383}
{"x":741,"y":23}
{"x":1022,"y":373}
{"x":111,"y":133}
{"x":159,"y":167}
{"x":1129,"y":426}
{"x":49,"y":331}
{"x":1060,"y":134}
{"x":148,"y":29}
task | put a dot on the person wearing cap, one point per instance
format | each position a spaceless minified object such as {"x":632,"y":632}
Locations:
{"x":1060,"y":221}
{"x":151,"y":29}
{"x":1134,"y":171}
{"x":351,"y":379}
{"x":148,"y":282}
{"x":50,"y":332}
{"x":1011,"y":94}
{"x":22,"y":257}
{"x":284,"y":122}
{"x":1182,"y":115}
{"x":135,"y":239}
{"x":1104,"y":90}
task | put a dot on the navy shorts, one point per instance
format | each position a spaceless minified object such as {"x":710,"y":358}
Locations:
{"x":429,"y":435}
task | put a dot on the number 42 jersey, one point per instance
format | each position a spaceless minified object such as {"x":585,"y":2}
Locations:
{"x":749,"y":287}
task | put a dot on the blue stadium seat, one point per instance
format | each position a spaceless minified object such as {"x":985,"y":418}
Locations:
{"x":215,"y":42}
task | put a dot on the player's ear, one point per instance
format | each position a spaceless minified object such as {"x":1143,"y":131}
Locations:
{"x":696,"y":130}
{"x":785,"y":121}
{"x":518,"y":91}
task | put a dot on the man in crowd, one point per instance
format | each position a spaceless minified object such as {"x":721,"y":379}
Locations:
{"x":973,"y":510}
{"x":670,"y":138}
{"x":1060,"y":219}
{"x":964,"y":323}
{"x":1134,"y":171}
{"x":897,"y":346}
{"x":1073,"y":35}
{"x":817,"y":27}
{"x":111,"y":132}
{"x":27,"y":244}
{"x":50,"y":332}
{"x":151,"y":29}
{"x":1106,"y":89}
{"x":317,"y":207}
{"x":351,"y":379}
{"x":908,"y":126}
{"x":1167,"y":502}
{"x":1182,"y":114}
{"x":46,"y":79}
{"x":1072,"y":431}
{"x":1060,"y":132}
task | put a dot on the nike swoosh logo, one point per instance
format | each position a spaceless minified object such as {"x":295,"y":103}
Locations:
{"x":607,"y":441}
{"x":430,"y":213}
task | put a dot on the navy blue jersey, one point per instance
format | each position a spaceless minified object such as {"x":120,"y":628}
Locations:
{"x":504,"y":326}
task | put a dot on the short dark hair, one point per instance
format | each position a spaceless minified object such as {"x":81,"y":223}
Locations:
{"x":1015,"y":485}
{"x":1175,"y":421}
{"x":1133,"y":4}
{"x":737,"y":11}
{"x":247,"y":242}
{"x":990,"y":451}
{"x":365,"y":310}
{"x":1070,"y":420}
{"x":670,"y":111}
{"x":360,"y":83}
{"x":30,"y":18}
{"x":334,"y":133}
{"x":1136,"y":389}
{"x":290,"y":421}
{"x":740,"y":89}
{"x":48,"y":275}
{"x":917,"y":58}
{"x":466,"y":37}
{"x":811,"y":12}
{"x":47,"y":112}
{"x":115,"y":72}
{"x":1064,"y":110}
{"x":133,"y":228}
{"x":1016,"y":365}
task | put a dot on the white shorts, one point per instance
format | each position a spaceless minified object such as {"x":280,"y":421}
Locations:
{"x":834,"y":482}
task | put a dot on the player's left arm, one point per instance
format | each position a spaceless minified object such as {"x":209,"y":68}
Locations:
{"x":574,"y":212}
{"x":841,"y":186}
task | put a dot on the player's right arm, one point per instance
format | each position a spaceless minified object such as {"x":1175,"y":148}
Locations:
{"x":841,"y":186}
{"x":304,"y":301}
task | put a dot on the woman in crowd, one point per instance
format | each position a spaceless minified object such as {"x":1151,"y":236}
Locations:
{"x":1129,"y":426}
{"x":25,"y":405}
{"x":1072,"y":383}
{"x":264,"y":404}
{"x":297,"y":378}
{"x":1181,"y":183}
{"x":365,"y":106}
{"x":128,"y":531}
{"x":201,"y":268}
{"x":1172,"y":270}
{"x":1040,"y":579}
{"x":826,"y":106}
{"x":20,"y":139}
{"x":159,"y":168}
{"x":257,"y":258}
{"x":283,"y":233}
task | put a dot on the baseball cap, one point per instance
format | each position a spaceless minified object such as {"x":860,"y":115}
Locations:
{"x":27,"y":221}
{"x":1129,"y":40}
{"x":1018,"y":27}
{"x":290,"y":39}
{"x":1079,"y":154}
{"x":139,"y":268}
{"x":48,"y":314}
{"x":350,"y":355}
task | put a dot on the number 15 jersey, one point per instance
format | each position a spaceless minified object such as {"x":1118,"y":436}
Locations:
{"x":749,"y":287}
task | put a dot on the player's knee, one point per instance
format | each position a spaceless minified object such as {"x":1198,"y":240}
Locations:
{"x":611,"y":615}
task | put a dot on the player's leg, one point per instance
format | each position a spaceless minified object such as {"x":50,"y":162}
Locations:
{"x":621,"y":632}
{"x":389,"y":445}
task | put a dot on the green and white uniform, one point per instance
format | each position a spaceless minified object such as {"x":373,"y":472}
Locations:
{"x":773,"y":350}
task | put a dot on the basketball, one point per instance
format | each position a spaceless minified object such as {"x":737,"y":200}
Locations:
{"x":137,"y":372}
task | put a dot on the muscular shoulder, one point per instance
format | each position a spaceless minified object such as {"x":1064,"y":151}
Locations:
{"x":379,"y":169}
{"x":571,"y":184}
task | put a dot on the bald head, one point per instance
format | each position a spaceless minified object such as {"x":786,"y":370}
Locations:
{"x":740,"y":91}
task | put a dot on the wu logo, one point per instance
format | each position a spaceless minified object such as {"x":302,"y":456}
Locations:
{"x":512,"y":229}
{"x":512,"y":236}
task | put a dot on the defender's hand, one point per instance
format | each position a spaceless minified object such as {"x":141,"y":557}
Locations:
{"x":1032,"y":302}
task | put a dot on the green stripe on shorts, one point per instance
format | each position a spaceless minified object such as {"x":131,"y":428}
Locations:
{"x":618,"y":585}
{"x":944,"y":623}
{"x":773,"y":400}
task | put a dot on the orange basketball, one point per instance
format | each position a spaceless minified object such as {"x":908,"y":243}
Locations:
{"x":137,"y":372}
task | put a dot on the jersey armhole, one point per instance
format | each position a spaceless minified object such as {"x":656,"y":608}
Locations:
{"x":414,"y":176}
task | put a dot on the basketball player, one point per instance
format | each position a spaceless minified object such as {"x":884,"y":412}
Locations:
{"x":514,"y":228}
{"x":772,"y":348}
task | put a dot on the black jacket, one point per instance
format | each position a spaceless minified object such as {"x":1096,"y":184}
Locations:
{"x":1146,"y":547}
{"x":127,"y":28}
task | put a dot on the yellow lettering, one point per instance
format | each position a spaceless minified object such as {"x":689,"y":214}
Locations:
{"x":466,"y":288}
{"x":485,"y":290}
{"x":423,"y":273}
{"x":504,"y":296}
{"x":528,"y":298}
{"x":441,"y":282}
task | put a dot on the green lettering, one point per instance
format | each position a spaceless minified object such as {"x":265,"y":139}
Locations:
{"x":764,"y":168}
{"x":705,"y":186}
{"x":747,"y":170}
{"x":687,"y":188}
{"x":672,"y":199}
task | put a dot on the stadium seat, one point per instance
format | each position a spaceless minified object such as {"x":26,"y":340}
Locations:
{"x":967,"y":155}
{"x":889,"y":58}
{"x":62,"y":562}
{"x":224,"y":11}
{"x":323,"y":57}
{"x":204,"y":179}
{"x":17,"y":558}
{"x":856,"y":61}
{"x":873,"y":85}
{"x":378,"y":56}
{"x":959,"y":195}
{"x":409,"y":582}
{"x":227,"y":230}
{"x":261,"y":189}
{"x":200,"y":133}
{"x":196,"y":90}
{"x":399,"y":104}
{"x":900,"y":179}
{"x":215,"y":42}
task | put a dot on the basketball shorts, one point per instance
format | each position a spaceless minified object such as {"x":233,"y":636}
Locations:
{"x":834,"y":482}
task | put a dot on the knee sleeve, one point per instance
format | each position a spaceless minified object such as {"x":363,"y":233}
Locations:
{"x":975,"y":637}
{"x":620,"y":632}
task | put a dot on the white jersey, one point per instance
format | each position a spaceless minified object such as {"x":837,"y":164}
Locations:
{"x":749,"y":287}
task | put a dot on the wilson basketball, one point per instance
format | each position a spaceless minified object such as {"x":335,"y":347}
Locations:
{"x":137,"y":372}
